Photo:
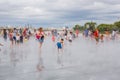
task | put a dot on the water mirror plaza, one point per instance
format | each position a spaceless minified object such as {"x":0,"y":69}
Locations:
{"x":82,"y":59}
{"x":59,"y":39}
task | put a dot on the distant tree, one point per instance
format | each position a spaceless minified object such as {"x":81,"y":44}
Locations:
{"x":103,"y":27}
{"x":78,"y":27}
{"x":117,"y":25}
{"x":90,"y":25}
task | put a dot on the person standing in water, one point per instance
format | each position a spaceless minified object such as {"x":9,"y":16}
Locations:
{"x":53,"y":38}
{"x":40,"y":36}
{"x":21,"y":38}
{"x":5,"y":34}
{"x":17,"y":38}
{"x":113,"y":35}
{"x":11,"y":37}
{"x":14,"y":35}
{"x":102,"y":38}
{"x":77,"y":32}
{"x":96,"y":35}
{"x":70,"y":37}
{"x":107,"y":32}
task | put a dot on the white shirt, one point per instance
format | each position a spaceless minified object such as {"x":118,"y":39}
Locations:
{"x":17,"y":37}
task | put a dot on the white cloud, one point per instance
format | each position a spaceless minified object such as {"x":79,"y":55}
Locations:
{"x":52,"y":12}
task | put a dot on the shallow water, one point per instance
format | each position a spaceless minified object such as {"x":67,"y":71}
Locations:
{"x":81,"y":60}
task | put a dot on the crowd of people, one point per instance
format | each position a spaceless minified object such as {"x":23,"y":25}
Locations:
{"x":100,"y":37}
{"x":16,"y":36}
{"x":19,"y":36}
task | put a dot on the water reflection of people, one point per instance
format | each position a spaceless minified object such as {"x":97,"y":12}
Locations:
{"x":1,"y":45}
{"x":13,"y":58}
{"x":59,"y":59}
{"x":40,"y":66}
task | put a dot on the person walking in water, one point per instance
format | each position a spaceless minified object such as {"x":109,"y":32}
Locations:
{"x":40,"y":36}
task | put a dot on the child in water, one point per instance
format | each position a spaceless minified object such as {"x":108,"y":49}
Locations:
{"x":101,"y":37}
{"x":60,"y":50}
{"x":60,"y":45}
{"x":53,"y":38}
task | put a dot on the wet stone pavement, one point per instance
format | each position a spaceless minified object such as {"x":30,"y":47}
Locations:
{"x":81,"y":60}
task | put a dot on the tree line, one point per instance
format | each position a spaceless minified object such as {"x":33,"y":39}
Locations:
{"x":101,"y":27}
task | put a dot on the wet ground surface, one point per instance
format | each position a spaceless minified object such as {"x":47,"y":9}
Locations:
{"x":81,"y":60}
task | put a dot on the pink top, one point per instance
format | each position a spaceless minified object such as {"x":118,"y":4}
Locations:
{"x":77,"y":31}
{"x":38,"y":35}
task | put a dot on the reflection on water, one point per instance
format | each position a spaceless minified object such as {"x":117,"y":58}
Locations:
{"x":59,"y":59}
{"x":40,"y":65}
{"x":13,"y":57}
{"x":81,"y":58}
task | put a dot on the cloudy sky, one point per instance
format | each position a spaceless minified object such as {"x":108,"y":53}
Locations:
{"x":49,"y":13}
